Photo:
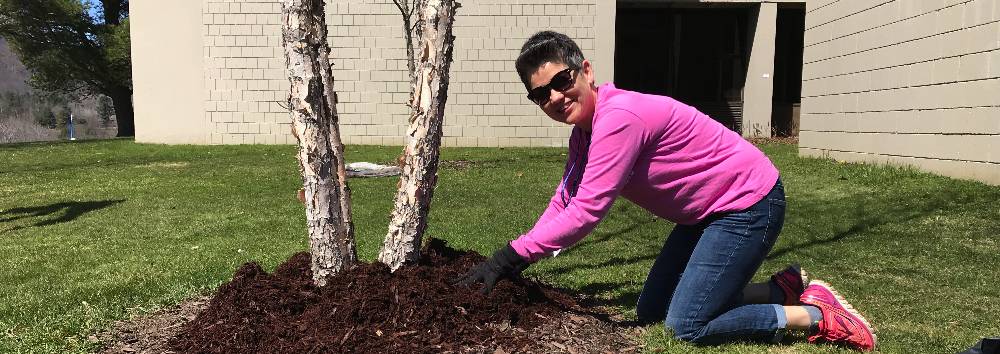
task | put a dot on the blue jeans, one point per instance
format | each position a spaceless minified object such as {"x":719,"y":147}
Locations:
{"x":697,"y":281}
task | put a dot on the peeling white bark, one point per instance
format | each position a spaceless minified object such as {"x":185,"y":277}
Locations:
{"x":420,"y":156}
{"x":312,"y":102}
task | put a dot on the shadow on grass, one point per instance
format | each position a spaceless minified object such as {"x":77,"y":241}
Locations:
{"x":849,"y":218}
{"x":636,"y":223}
{"x":869,"y":213}
{"x":625,"y":300}
{"x":69,"y":211}
{"x":600,"y":237}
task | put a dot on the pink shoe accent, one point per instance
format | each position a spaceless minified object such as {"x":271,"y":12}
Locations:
{"x":841,"y":323}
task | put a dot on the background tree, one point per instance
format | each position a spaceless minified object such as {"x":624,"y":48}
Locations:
{"x":105,"y":110}
{"x":46,"y":118}
{"x":49,"y":110}
{"x":14,"y":104}
{"x":74,"y":47}
{"x":429,"y":93}
{"x":315,"y":124}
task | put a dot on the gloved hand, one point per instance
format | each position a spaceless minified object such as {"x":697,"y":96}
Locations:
{"x":505,"y":263}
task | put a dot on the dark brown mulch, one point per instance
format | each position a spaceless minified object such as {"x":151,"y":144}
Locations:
{"x":370,"y":310}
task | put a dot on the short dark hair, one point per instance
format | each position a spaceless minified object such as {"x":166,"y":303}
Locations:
{"x":547,"y":46}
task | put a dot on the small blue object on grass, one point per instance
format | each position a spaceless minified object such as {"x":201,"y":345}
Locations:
{"x":69,"y":127}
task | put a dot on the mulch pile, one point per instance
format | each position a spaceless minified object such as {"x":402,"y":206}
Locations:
{"x":415,"y":310}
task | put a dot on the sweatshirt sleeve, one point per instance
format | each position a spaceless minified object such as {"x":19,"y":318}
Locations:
{"x":618,"y":139}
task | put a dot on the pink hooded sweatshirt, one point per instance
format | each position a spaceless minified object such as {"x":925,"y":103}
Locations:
{"x":661,"y":154}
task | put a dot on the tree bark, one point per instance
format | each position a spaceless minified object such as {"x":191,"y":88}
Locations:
{"x":112,"y":10}
{"x":124,"y":114}
{"x":420,"y":156}
{"x":315,"y":124}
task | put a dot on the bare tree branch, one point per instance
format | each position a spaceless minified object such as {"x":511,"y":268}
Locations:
{"x":406,"y":10}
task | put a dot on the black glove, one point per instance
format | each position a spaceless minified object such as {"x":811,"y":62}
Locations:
{"x":505,"y":263}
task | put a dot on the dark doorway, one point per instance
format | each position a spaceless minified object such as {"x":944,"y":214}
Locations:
{"x":791,"y":28}
{"x":697,"y":55}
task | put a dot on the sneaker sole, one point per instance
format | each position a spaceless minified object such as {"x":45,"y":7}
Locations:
{"x":854,"y":312}
{"x":802,"y":274}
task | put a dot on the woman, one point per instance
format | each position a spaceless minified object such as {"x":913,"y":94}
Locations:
{"x":722,"y":192}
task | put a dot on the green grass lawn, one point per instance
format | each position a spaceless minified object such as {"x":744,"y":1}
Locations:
{"x":97,"y":231}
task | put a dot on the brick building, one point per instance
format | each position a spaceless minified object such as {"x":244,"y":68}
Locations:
{"x":913,"y":82}
{"x":909,"y":82}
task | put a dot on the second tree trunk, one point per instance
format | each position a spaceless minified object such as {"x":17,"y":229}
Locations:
{"x":420,"y":156}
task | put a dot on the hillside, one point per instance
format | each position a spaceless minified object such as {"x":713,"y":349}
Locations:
{"x":13,"y":75}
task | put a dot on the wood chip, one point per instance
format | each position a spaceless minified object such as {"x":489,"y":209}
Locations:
{"x":406,"y":333}
{"x":348,"y":334}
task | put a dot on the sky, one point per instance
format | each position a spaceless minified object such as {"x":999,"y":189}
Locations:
{"x":95,"y":8}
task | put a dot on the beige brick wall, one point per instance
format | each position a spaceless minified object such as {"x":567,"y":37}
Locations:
{"x":244,"y":72}
{"x":910,"y":82}
{"x":246,"y":87}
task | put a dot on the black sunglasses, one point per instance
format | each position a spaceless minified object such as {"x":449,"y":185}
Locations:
{"x":561,"y":82}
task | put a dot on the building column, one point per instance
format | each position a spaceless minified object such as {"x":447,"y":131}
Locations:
{"x":604,"y":46}
{"x":759,"y":87}
{"x":168,"y":72}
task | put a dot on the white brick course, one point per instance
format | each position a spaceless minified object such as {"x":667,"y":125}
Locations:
{"x":915,"y":82}
{"x":485,"y":95}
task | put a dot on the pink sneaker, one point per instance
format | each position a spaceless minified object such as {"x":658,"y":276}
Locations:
{"x":841,"y":323}
{"x":792,"y":281}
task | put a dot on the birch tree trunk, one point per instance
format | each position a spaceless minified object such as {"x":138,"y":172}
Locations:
{"x":312,"y":102}
{"x":420,"y":156}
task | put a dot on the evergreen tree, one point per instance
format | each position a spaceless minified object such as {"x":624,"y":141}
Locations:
{"x":70,"y":51}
